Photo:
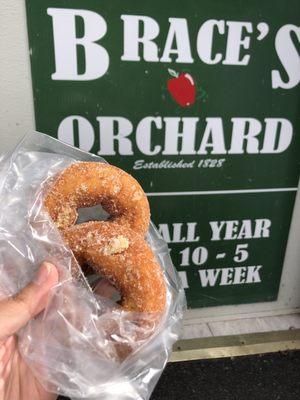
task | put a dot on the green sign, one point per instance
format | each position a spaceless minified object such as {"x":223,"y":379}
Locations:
{"x":199,"y":100}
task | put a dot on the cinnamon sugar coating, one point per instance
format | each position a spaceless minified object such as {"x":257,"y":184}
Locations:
{"x":123,"y":257}
{"x":86,"y":184}
{"x":116,"y":249}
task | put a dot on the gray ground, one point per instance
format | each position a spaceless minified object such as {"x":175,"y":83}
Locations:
{"x":273,"y":376}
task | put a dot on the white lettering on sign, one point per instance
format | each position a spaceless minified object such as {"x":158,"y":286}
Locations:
{"x":237,"y":230}
{"x":116,"y":130}
{"x":179,"y":135}
{"x":198,"y":256}
{"x":140,"y":33}
{"x":96,"y":59}
{"x":230,"y":276}
{"x":163,"y":164}
{"x":205,"y":41}
{"x":240,"y":275}
{"x":144,"y":135}
{"x":278,"y":130}
{"x":191,"y":256}
{"x":179,"y":232}
{"x":76,"y":125}
{"x":173,"y":134}
{"x":178,"y":34}
{"x":244,"y":133}
{"x":183,"y":278}
{"x":289,"y":58}
{"x":213,"y":137}
{"x":237,"y":40}
{"x":133,"y":39}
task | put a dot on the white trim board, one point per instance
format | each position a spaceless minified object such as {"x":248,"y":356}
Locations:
{"x":216,"y":192}
{"x":192,"y":317}
{"x":240,"y":326}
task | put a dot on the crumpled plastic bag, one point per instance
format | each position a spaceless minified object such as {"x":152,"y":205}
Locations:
{"x":73,"y":347}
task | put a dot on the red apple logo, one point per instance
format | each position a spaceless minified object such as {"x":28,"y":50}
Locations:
{"x":182,"y":88}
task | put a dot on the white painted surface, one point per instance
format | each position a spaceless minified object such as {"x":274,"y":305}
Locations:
{"x":17,"y":118}
{"x":242,"y":326}
{"x":16,"y":104}
{"x":196,"y":331}
{"x":254,"y":325}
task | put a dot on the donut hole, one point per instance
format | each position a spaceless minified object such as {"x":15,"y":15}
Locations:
{"x":95,"y":213}
{"x":104,"y":288}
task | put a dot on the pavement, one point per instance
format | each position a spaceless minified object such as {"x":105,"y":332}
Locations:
{"x":273,"y":376}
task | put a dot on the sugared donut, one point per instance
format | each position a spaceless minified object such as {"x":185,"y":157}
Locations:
{"x":116,"y":248}
{"x":123,"y":257}
{"x":86,"y":184}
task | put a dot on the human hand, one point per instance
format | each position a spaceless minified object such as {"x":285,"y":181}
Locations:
{"x":16,"y":379}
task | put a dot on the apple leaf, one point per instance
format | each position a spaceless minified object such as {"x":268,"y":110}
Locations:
{"x":173,"y":73}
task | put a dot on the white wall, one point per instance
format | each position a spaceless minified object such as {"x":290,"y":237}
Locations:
{"x":16,"y":104}
{"x":16,"y":119}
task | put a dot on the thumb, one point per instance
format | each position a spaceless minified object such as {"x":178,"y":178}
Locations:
{"x":16,"y":311}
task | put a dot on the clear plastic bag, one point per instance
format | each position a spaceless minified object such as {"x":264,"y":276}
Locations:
{"x":73,"y":346}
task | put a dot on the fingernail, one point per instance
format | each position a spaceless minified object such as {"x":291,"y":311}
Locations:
{"x":43,"y":273}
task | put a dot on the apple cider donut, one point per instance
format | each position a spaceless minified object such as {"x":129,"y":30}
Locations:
{"x":122,"y":256}
{"x":86,"y":184}
{"x":116,"y":249}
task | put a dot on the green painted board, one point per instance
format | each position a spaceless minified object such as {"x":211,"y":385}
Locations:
{"x":199,"y":100}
